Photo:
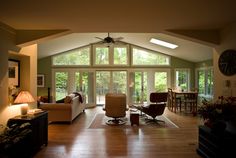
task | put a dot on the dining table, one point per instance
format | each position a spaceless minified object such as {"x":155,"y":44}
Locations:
{"x":185,"y":95}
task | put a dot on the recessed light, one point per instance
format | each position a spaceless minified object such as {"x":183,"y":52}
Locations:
{"x":163,"y":43}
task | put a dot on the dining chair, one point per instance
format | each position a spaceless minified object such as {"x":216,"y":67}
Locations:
{"x":190,"y":102}
{"x":174,"y":103}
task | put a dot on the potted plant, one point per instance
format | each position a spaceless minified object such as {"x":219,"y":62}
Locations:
{"x":217,"y":114}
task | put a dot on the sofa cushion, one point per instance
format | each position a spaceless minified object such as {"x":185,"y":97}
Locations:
{"x":60,"y":101}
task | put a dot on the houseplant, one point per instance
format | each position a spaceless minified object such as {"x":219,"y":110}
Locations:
{"x":217,"y":114}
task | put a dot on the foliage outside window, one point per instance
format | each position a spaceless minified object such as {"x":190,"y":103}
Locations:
{"x":61,"y":84}
{"x":182,"y":79}
{"x":80,"y":56}
{"x":82,"y":84}
{"x":144,"y":57}
{"x":119,"y":81}
{"x":201,"y":81}
{"x":161,"y":81}
{"x":101,"y":56}
{"x":120,"y":56}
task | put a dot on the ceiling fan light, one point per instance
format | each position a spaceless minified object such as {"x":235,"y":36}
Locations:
{"x":163,"y":43}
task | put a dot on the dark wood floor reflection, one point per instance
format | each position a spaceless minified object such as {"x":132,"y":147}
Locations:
{"x":76,"y":140}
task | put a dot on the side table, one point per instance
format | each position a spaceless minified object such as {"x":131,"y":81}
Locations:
{"x":134,"y":118}
{"x":39,"y":125}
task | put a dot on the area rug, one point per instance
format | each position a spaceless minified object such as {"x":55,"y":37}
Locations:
{"x":99,"y":121}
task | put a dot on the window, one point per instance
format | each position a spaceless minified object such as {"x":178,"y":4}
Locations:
{"x":149,"y":58}
{"x":84,"y":83}
{"x":205,"y":81}
{"x":80,"y":56}
{"x":101,"y":56}
{"x":120,"y":56}
{"x":201,"y":81}
{"x":115,"y":55}
{"x":66,"y":81}
{"x":182,"y":79}
{"x":161,"y":81}
{"x":61,"y":85}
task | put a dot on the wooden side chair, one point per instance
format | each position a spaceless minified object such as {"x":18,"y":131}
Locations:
{"x":173,"y":102}
{"x":190,"y":102}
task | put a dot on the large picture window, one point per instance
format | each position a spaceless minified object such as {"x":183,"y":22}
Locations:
{"x":80,"y":56}
{"x":148,"y":58}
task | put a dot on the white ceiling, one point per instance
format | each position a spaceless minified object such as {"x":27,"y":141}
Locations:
{"x":198,"y":52}
{"x":135,"y":20}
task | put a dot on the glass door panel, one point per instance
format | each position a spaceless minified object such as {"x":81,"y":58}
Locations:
{"x":161,"y":81}
{"x":119,"y":81}
{"x":201,"y":82}
{"x":102,"y":85}
{"x":138,"y":87}
{"x":110,"y":81}
{"x":84,"y":83}
{"x":77,"y":82}
{"x":61,"y":85}
{"x":181,"y":77}
{"x":87,"y":86}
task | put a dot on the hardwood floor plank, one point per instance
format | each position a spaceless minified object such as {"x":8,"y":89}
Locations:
{"x":77,"y":140}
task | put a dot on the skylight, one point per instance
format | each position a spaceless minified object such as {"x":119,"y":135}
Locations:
{"x":163,"y":43}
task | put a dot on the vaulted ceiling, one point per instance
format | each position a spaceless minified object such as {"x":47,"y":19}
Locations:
{"x":194,"y":25}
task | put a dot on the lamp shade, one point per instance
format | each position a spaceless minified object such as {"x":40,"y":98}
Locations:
{"x":24,"y":97}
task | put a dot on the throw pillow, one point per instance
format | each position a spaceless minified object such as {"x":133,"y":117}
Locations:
{"x":67,"y":99}
{"x":72,"y":95}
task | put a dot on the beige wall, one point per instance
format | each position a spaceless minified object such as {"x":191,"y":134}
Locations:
{"x":28,"y":59}
{"x":44,"y":67}
{"x":228,"y":41}
{"x":30,"y":79}
{"x":7,"y":37}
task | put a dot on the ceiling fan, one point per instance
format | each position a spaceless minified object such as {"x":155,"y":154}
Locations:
{"x":109,"y":40}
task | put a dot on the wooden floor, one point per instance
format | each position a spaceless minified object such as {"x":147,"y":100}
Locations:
{"x":77,"y":141}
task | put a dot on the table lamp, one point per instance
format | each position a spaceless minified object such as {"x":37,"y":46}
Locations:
{"x":24,"y":97}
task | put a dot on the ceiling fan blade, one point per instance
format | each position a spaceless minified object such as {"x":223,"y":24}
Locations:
{"x":99,"y":38}
{"x":118,"y":38}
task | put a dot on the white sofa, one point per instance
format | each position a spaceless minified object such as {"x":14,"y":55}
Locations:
{"x":63,"y":112}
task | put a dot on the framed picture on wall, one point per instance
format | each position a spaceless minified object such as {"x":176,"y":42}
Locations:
{"x":40,"y":80}
{"x":14,"y":72}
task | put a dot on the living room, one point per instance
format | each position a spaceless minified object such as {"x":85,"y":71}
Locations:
{"x":22,"y":32}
